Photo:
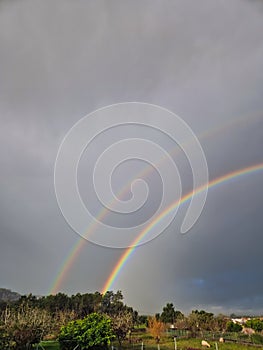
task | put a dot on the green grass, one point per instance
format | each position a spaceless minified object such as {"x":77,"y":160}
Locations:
{"x":49,"y":345}
{"x":196,"y":343}
{"x":167,"y":344}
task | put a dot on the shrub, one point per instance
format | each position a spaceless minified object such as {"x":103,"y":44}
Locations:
{"x":93,"y":332}
{"x":233,"y":327}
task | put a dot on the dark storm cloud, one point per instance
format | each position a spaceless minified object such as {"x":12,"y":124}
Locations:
{"x":203,"y":60}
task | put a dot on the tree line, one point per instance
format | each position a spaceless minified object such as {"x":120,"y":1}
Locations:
{"x":26,"y":321}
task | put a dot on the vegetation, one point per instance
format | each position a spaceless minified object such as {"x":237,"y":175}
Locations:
{"x":156,"y":328}
{"x":167,"y":343}
{"x":255,"y":324}
{"x":122,"y":324}
{"x":92,"y":320}
{"x":233,"y":327}
{"x":23,"y":327}
{"x":169,"y":315}
{"x":29,"y":320}
{"x":93,"y":332}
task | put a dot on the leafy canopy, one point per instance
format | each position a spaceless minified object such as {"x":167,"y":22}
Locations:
{"x":93,"y":332}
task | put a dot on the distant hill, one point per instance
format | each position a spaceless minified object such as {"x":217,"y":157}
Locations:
{"x":8,"y":295}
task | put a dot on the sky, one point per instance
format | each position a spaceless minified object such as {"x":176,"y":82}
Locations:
{"x":203,"y":61}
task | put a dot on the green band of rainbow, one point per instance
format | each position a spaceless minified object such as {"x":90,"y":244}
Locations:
{"x":222,"y":179}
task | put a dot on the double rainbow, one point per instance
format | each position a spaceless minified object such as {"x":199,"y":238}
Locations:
{"x":71,"y":257}
{"x":69,"y":261}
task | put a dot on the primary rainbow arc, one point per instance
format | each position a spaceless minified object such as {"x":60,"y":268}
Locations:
{"x":222,"y":179}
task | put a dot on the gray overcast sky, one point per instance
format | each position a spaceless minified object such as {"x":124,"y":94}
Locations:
{"x":203,"y":60}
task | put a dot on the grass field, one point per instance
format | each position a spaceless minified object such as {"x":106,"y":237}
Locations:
{"x":49,"y":345}
{"x":196,"y":343}
{"x":167,"y":344}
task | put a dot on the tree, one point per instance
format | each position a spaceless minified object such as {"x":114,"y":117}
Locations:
{"x":200,"y":320}
{"x":61,"y":318}
{"x":25,"y":326}
{"x":157,"y":316}
{"x":219,"y":323}
{"x":112,"y":303}
{"x":233,"y":327}
{"x":142,"y":320}
{"x":169,"y":315}
{"x":93,"y":332}
{"x":122,"y":323}
{"x":156,"y":328}
{"x":182,"y":323}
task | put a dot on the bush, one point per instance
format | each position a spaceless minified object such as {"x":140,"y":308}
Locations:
{"x":93,"y":332}
{"x":255,"y":324}
{"x":233,"y":327}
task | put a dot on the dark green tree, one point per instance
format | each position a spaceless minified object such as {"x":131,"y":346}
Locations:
{"x":169,"y":314}
{"x":112,"y":303}
{"x":233,"y":327}
{"x":143,"y":320}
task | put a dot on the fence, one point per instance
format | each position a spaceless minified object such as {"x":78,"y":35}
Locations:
{"x":253,"y":339}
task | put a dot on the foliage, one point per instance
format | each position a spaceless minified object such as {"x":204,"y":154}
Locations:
{"x":123,"y":317}
{"x":182,"y":323}
{"x":142,"y":320}
{"x":200,"y":320}
{"x":24,"y":327}
{"x":156,"y":328}
{"x":112,"y":303}
{"x":256,"y":324}
{"x":5,"y":341}
{"x":93,"y":332}
{"x":81,"y":304}
{"x":169,"y":315}
{"x":233,"y":327}
{"x":219,"y":323}
{"x":122,"y":323}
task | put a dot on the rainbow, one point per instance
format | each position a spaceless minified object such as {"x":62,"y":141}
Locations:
{"x":219,"y":180}
{"x":74,"y":252}
{"x":71,"y":257}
